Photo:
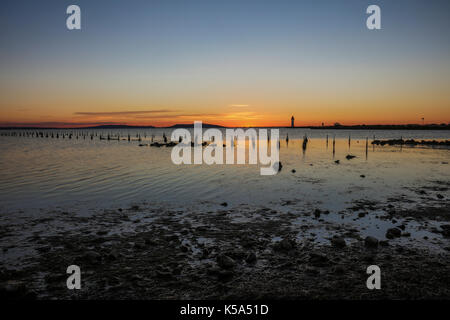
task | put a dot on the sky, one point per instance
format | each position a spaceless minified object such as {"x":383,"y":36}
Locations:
{"x":233,"y":63}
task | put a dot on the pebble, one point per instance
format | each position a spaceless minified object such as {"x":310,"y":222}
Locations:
{"x":225,"y":261}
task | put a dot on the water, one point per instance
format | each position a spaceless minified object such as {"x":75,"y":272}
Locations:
{"x":46,"y":172}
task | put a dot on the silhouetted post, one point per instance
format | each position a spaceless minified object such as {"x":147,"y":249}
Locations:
{"x":305,"y":143}
{"x":334,"y":145}
{"x":367,"y":147}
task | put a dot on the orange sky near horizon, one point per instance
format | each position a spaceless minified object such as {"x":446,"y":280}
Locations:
{"x":246,"y":117}
{"x":312,"y":112}
{"x":227,"y":120}
{"x":50,"y":96}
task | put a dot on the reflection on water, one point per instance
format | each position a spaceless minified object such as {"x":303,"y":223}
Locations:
{"x":41,"y":172}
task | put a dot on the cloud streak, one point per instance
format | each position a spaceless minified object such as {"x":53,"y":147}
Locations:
{"x":122,"y":113}
{"x":239,"y":105}
{"x":56,"y":124}
{"x":171,"y":116}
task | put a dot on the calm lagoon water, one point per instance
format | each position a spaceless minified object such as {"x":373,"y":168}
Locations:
{"x":46,"y":172}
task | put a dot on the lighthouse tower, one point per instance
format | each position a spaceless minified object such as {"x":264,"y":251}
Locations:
{"x":292,"y":122}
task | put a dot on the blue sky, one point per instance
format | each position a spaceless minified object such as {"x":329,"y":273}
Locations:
{"x":196,"y":56}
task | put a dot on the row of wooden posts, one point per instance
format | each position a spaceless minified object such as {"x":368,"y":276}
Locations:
{"x":84,"y":136}
{"x":71,"y":135}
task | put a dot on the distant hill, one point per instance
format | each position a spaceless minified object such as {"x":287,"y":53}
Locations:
{"x":191,"y":125}
{"x":119,"y":126}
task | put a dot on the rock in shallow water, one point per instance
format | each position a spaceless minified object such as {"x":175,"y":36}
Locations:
{"x":445,"y":230}
{"x":393,"y":233}
{"x":338,"y":242}
{"x":317,"y":213}
{"x":371,"y":242}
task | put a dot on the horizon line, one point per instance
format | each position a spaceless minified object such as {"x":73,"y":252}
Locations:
{"x":186,"y":125}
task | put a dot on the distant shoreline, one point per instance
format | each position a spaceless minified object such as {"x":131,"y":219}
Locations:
{"x":335,"y":127}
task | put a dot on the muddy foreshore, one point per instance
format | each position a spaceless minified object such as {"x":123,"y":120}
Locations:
{"x":151,"y":252}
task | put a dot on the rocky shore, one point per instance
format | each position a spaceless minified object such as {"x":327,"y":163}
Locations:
{"x":412,"y":142}
{"x":148,"y":251}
